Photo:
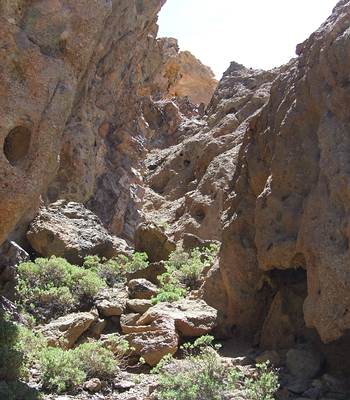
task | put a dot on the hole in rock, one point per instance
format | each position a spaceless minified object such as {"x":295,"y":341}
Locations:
{"x":17,"y":144}
{"x":199,"y":215}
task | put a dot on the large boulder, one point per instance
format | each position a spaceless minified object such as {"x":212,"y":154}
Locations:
{"x":192,"y":317}
{"x":65,"y":331}
{"x":304,"y":363}
{"x":70,"y":230}
{"x":154,"y":341}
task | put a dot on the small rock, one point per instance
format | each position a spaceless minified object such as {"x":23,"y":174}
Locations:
{"x":111,"y":302}
{"x":123,"y":385}
{"x":304,"y":363}
{"x":139,"y":306}
{"x":93,"y":385}
{"x":154,"y":341}
{"x":142,"y":289}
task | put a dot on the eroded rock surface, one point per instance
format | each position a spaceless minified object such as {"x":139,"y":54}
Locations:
{"x":69,"y":230}
{"x":192,"y":317}
{"x":65,"y":331}
{"x":181,"y":75}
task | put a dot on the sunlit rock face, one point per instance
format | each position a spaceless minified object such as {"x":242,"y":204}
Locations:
{"x":68,"y":106}
{"x":180,"y":74}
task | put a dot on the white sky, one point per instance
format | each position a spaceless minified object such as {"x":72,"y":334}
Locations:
{"x":256,"y":33}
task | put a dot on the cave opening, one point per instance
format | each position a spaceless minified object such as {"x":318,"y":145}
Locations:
{"x":17,"y":145}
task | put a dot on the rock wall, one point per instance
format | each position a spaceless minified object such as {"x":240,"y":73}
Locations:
{"x":87,"y":114}
{"x":267,"y":175}
{"x":180,"y":74}
{"x":288,"y":205}
{"x":70,"y":122}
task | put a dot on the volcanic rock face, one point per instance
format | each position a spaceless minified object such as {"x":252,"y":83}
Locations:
{"x":267,"y":175}
{"x":181,"y":75}
{"x":288,"y":204}
{"x":88,"y":114}
{"x":69,"y":73}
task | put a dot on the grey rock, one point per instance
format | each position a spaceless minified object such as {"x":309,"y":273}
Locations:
{"x":305,"y":364}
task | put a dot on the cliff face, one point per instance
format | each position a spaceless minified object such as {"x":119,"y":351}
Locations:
{"x":288,"y":204}
{"x":181,"y":74}
{"x":268,"y":176}
{"x":69,"y":108}
{"x":93,"y":109}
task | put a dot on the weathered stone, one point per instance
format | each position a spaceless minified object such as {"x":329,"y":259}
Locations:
{"x":151,"y":272}
{"x":65,"y":331}
{"x":142,"y":289}
{"x":155,"y":341}
{"x":192,"y":317}
{"x":96,"y":329}
{"x":71,"y":231}
{"x":93,"y":385}
{"x":284,"y":323}
{"x":181,"y":75}
{"x":128,"y":322}
{"x":111,"y":302}
{"x":305,"y":364}
{"x":138,"y":305}
{"x":152,"y":240}
{"x":47,"y":48}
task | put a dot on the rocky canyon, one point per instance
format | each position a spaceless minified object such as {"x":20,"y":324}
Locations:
{"x":117,"y":145}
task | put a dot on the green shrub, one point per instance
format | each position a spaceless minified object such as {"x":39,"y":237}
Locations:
{"x":264,"y":385}
{"x":30,"y":345}
{"x":19,"y":349}
{"x":96,"y":360}
{"x":60,"y":370}
{"x":202,"y":375}
{"x":114,"y":270}
{"x":10,"y":358}
{"x":184,"y":272}
{"x":48,"y":288}
{"x":63,"y":370}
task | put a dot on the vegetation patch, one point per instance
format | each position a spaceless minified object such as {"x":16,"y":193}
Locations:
{"x":114,"y":270}
{"x":203,"y":375}
{"x":63,"y":370}
{"x":184,"y":272}
{"x":49,"y":288}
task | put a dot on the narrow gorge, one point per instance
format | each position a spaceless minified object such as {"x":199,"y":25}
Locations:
{"x":150,"y":214}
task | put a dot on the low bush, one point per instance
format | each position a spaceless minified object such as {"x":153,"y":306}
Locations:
{"x":114,"y":270}
{"x":49,"y":288}
{"x":184,"y":272}
{"x":11,"y":359}
{"x":202,"y":375}
{"x":63,"y":370}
